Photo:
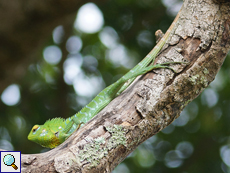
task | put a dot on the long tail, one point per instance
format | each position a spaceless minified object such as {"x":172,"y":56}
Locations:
{"x":151,"y":55}
{"x":110,"y":92}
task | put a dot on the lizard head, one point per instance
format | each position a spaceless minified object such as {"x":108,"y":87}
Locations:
{"x":44,"y":136}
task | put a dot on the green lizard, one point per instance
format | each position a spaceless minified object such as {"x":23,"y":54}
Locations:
{"x":57,"y":130}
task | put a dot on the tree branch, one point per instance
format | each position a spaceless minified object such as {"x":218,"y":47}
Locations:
{"x":201,"y":37}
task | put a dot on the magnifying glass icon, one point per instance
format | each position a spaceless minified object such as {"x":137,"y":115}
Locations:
{"x":9,"y":160}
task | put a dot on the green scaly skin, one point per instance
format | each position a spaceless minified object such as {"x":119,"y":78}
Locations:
{"x":57,"y":130}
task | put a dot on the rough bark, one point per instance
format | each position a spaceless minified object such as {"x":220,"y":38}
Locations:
{"x":202,"y":38}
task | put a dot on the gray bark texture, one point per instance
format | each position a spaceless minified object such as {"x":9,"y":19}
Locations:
{"x":200,"y":37}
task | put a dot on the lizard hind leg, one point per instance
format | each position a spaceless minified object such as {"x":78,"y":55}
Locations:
{"x":164,"y":66}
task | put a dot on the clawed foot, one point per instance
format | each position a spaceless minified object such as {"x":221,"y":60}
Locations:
{"x":165,"y":65}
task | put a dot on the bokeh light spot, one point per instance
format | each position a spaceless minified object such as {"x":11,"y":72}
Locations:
{"x":11,"y":95}
{"x":225,"y":154}
{"x":172,"y":6}
{"x":19,"y":122}
{"x":52,"y":55}
{"x":109,"y":37}
{"x":173,"y":159}
{"x":145,"y":158}
{"x":4,"y":134}
{"x":72,"y":67}
{"x":119,"y":57}
{"x":161,"y":149}
{"x":185,"y":148}
{"x":182,"y":120}
{"x":169,"y":129}
{"x":88,"y":86}
{"x":90,"y":62}
{"x":145,"y":39}
{"x":89,"y":18}
{"x":6,"y":145}
{"x":209,"y":97}
{"x":58,"y":34}
{"x":74,"y":44}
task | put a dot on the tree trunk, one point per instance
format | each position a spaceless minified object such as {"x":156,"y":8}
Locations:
{"x":200,"y":37}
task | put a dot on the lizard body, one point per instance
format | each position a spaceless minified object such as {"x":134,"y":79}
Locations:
{"x":57,"y":130}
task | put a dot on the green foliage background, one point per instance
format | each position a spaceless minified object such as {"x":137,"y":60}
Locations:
{"x":198,"y":141}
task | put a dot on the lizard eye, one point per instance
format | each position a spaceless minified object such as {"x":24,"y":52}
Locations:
{"x":56,"y":134}
{"x":34,"y":129}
